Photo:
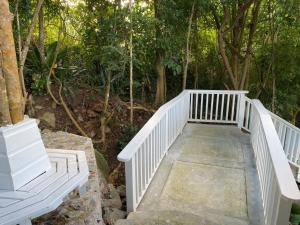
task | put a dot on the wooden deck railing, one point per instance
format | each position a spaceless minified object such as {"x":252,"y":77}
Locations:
{"x":277,"y":184}
{"x":144,"y":153}
{"x":289,"y":136}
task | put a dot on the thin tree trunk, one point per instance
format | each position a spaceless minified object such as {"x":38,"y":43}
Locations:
{"x":294,"y":116}
{"x":9,"y":64}
{"x":4,"y":106}
{"x":274,"y":94}
{"x":196,"y":76}
{"x":250,"y":43}
{"x":222,"y":49}
{"x":131,"y":65}
{"x":104,"y":117}
{"x":160,"y":83}
{"x":161,"y":86}
{"x":41,"y":44}
{"x":19,"y":33}
{"x":273,"y":33}
{"x":187,"y":54}
{"x":26,"y":45}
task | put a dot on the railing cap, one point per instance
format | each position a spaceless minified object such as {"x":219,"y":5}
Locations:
{"x":219,"y":91}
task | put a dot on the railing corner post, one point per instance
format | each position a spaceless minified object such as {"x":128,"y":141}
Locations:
{"x":130,"y":187}
{"x":284,"y":211}
{"x":241,"y":112}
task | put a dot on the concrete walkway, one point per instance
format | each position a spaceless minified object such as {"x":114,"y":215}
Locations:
{"x":208,"y":177}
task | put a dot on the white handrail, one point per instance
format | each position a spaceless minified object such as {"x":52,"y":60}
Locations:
{"x":277,"y":183}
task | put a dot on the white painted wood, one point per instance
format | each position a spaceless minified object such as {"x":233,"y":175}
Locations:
{"x":22,"y":154}
{"x":241,"y":110}
{"x":47,"y":192}
{"x":25,"y":222}
{"x":275,"y":175}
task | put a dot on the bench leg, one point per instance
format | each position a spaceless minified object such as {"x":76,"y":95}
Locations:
{"x":82,"y":190}
{"x":25,"y":222}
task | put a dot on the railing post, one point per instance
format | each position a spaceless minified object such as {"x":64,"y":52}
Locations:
{"x":284,"y":211}
{"x":241,"y":112}
{"x":167,"y":133}
{"x":130,"y":187}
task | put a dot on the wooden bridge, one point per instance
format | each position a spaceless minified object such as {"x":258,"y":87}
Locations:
{"x":212,"y":157}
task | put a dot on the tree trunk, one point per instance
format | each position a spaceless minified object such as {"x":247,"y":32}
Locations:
{"x":294,"y":116}
{"x":187,"y":54}
{"x":196,"y":81}
{"x":4,"y":106}
{"x":131,"y":65}
{"x":160,"y":83}
{"x":41,"y":44}
{"x":231,"y":39}
{"x":161,"y":86}
{"x":104,"y":115}
{"x":25,"y":48}
{"x":9,"y":64}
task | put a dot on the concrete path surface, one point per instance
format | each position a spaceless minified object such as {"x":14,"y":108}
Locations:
{"x":209,"y":173}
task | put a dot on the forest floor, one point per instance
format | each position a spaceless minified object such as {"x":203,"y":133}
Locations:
{"x":86,"y":105}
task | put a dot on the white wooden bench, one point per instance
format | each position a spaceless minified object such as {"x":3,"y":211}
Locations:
{"x":45,"y":193}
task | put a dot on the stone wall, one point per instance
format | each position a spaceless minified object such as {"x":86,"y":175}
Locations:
{"x":84,"y":210}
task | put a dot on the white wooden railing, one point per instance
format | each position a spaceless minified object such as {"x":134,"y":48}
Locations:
{"x":278,"y":187}
{"x":289,"y":136}
{"x":212,"y":106}
{"x":143,"y":154}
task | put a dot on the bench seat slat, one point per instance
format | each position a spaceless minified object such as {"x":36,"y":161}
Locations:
{"x":45,"y":193}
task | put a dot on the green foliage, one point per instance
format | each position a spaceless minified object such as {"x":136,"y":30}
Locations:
{"x":126,"y":136}
{"x":96,"y":43}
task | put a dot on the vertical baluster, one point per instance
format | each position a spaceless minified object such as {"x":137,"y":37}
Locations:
{"x":222,"y":107}
{"x":169,"y":127}
{"x":196,"y":107}
{"x":201,"y":106}
{"x":154,"y":148}
{"x":143,"y":167}
{"x":206,"y":106}
{"x":294,"y":146}
{"x":160,"y":141}
{"x":284,"y":137}
{"x":247,"y":115}
{"x":233,"y":108}
{"x":288,"y":142}
{"x":151,"y":152}
{"x":217,"y":108}
{"x":191,"y":105}
{"x":280,"y":131}
{"x":149,"y":158}
{"x":157,"y":147}
{"x":140,"y":173}
{"x":298,"y":151}
{"x":146,"y":160}
{"x":211,"y":107}
{"x":166,"y":132}
{"x":227,"y":107}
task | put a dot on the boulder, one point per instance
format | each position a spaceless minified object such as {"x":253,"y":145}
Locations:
{"x":113,"y":200}
{"x":49,"y":119}
{"x":122,"y":190}
{"x":112,"y":215}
